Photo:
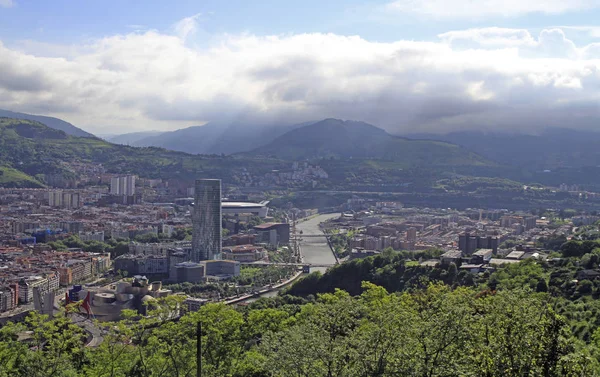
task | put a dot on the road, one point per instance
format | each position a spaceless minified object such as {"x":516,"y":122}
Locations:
{"x":315,"y":249}
{"x":80,"y":320}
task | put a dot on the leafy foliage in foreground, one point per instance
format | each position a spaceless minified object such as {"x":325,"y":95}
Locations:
{"x":433,"y":332}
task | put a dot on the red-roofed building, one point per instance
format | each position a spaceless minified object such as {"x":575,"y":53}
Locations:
{"x":244,"y":253}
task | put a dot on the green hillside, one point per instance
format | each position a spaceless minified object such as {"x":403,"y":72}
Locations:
{"x":30,"y":151}
{"x":356,"y":156}
{"x":334,"y":138}
{"x":51,"y":122}
{"x":10,"y":177}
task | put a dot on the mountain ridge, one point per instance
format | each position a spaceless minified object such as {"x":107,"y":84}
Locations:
{"x":216,"y":138}
{"x":56,"y":123}
{"x":335,"y":138}
{"x":550,"y":149}
{"x":131,"y":138}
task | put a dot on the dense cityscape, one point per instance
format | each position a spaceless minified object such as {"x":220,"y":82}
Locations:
{"x":236,"y":188}
{"x":99,"y":238}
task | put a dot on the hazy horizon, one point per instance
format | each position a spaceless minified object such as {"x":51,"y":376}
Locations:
{"x":404,"y":66}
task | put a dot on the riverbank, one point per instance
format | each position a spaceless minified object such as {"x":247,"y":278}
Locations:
{"x":263,"y":291}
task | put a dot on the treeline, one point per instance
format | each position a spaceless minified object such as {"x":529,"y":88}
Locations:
{"x":575,"y":293}
{"x":112,"y":246}
{"x":389,"y":270}
{"x":120,"y":246}
{"x":433,"y":332}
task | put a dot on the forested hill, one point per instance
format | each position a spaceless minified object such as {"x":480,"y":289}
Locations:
{"x":334,"y":138}
{"x":57,"y":124}
{"x":31,"y":151}
{"x":551,"y":149}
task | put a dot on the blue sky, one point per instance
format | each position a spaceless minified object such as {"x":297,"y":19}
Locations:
{"x":115,"y":66}
{"x":67,"y":21}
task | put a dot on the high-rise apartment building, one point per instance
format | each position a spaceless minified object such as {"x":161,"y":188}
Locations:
{"x":64,"y":199}
{"x":206,"y":220}
{"x":123,"y":185}
{"x":468,"y":243}
{"x":55,"y":198}
{"x":411,"y":234}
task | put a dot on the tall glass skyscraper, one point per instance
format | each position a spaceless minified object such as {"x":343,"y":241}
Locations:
{"x":206,"y":220}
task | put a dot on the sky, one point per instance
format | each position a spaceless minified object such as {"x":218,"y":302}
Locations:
{"x":408,"y":66}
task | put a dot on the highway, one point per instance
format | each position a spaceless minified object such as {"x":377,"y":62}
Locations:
{"x":279,"y":264}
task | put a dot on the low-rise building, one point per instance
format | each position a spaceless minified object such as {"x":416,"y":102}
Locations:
{"x":244,"y":253}
{"x":361,"y":253}
{"x":194,"y":304}
{"x":187,"y":272}
{"x":221,"y":268}
{"x":91,"y":236}
{"x":481,"y":256}
{"x":274,"y":234}
{"x":142,"y":264}
{"x":451,"y":256}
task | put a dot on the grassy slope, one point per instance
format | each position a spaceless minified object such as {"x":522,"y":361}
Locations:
{"x":10,"y":177}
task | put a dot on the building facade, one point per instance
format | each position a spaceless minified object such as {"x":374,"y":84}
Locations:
{"x":123,"y":185}
{"x":64,"y":199}
{"x":206,"y":220}
{"x":274,"y":234}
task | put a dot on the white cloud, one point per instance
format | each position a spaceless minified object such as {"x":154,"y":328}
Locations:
{"x":6,"y":3}
{"x":155,"y":81}
{"x":592,"y":31}
{"x":442,"y":9}
{"x":491,"y":36}
{"x":551,"y":43}
{"x":187,"y":26}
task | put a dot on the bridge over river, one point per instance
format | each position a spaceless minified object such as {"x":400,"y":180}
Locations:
{"x":314,"y":247}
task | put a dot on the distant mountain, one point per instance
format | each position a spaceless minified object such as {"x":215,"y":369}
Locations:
{"x":334,"y":138}
{"x":33,"y":154}
{"x":216,"y":138}
{"x":132,"y":138}
{"x":55,"y":123}
{"x":551,"y":149}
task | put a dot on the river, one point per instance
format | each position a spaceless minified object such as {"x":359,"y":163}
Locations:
{"x":314,"y":250}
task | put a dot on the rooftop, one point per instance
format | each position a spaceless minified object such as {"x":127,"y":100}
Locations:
{"x":241,"y":204}
{"x":266,"y":226}
{"x":452,"y":254}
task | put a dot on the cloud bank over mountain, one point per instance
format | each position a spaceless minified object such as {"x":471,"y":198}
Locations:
{"x":488,"y":78}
